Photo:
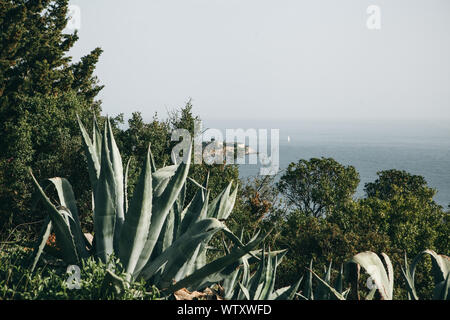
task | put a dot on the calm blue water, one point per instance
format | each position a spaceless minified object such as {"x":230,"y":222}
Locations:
{"x":420,"y":151}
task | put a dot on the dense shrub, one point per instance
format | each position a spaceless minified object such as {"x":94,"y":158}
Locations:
{"x":49,"y":280}
{"x":44,"y":137}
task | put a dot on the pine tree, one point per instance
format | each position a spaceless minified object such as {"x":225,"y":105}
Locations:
{"x":40,"y":89}
{"x":33,"y":51}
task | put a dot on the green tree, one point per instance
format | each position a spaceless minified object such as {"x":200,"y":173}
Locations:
{"x":391,"y":183}
{"x":220,"y":175}
{"x":258,"y":207}
{"x":135,"y":139}
{"x":318,"y":186}
{"x":40,"y":92}
{"x":398,"y":216}
{"x":45,"y":138}
{"x":33,"y":53}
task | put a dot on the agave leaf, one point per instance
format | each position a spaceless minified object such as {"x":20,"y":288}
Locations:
{"x":217,"y":265}
{"x":61,"y":226}
{"x":91,"y":152}
{"x":166,"y":237}
{"x":200,"y":261}
{"x":278,"y":293}
{"x":117,"y":171}
{"x":201,"y":257}
{"x":189,"y":266}
{"x":170,"y":230}
{"x":258,"y":291}
{"x":255,"y":256}
{"x":238,"y":242}
{"x":441,"y":270}
{"x":308,"y":286}
{"x":66,"y":195}
{"x":161,"y":207}
{"x":412,"y":294}
{"x":302,"y":297}
{"x":375,"y":268}
{"x":195,"y":210}
{"x":331,"y":290}
{"x":222,"y":206}
{"x":178,"y":213}
{"x":97,"y":139}
{"x":323,"y":293}
{"x":390,"y":269}
{"x":257,"y":278}
{"x":181,"y":250}
{"x":269,"y":281}
{"x":137,"y":223}
{"x":230,"y":282}
{"x":202,"y":187}
{"x":245,"y":291}
{"x":239,"y":295}
{"x":195,"y":264}
{"x":125,"y":186}
{"x":39,"y":248}
{"x":67,"y":199}
{"x":105,"y":210}
{"x":152,"y":161}
{"x":441,"y":264}
{"x":229,"y":205}
{"x":219,"y":202}
{"x":161,"y":178}
{"x":288,"y":294}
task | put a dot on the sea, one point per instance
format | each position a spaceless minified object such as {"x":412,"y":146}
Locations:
{"x":419,"y":147}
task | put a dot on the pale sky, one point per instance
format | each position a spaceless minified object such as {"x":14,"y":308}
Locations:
{"x":271,"y":59}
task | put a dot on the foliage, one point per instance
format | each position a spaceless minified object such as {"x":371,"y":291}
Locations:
{"x":260,"y":285}
{"x":134,"y":142}
{"x":441,"y":274}
{"x":49,"y":280}
{"x":33,"y":53}
{"x":43,"y":136}
{"x":257,"y":206}
{"x":324,"y":289}
{"x":155,"y":236}
{"x":41,"y":90}
{"x":404,"y":221}
{"x":392,"y":183}
{"x":318,"y":186}
{"x":308,"y":238}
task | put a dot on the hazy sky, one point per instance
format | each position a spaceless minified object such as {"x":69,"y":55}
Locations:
{"x":271,"y":59}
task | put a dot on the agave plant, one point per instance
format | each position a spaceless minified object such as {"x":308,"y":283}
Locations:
{"x":324,"y":290}
{"x":241,"y":285}
{"x":384,"y":281}
{"x":441,"y":272}
{"x":155,"y":236}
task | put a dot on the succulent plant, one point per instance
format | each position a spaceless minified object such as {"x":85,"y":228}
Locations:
{"x":441,"y":273}
{"x":155,"y":236}
{"x":384,"y":281}
{"x":324,"y":290}
{"x":241,"y":285}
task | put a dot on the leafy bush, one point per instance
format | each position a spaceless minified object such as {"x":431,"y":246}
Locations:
{"x":49,"y":280}
{"x":44,"y":136}
{"x":397,"y":216}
